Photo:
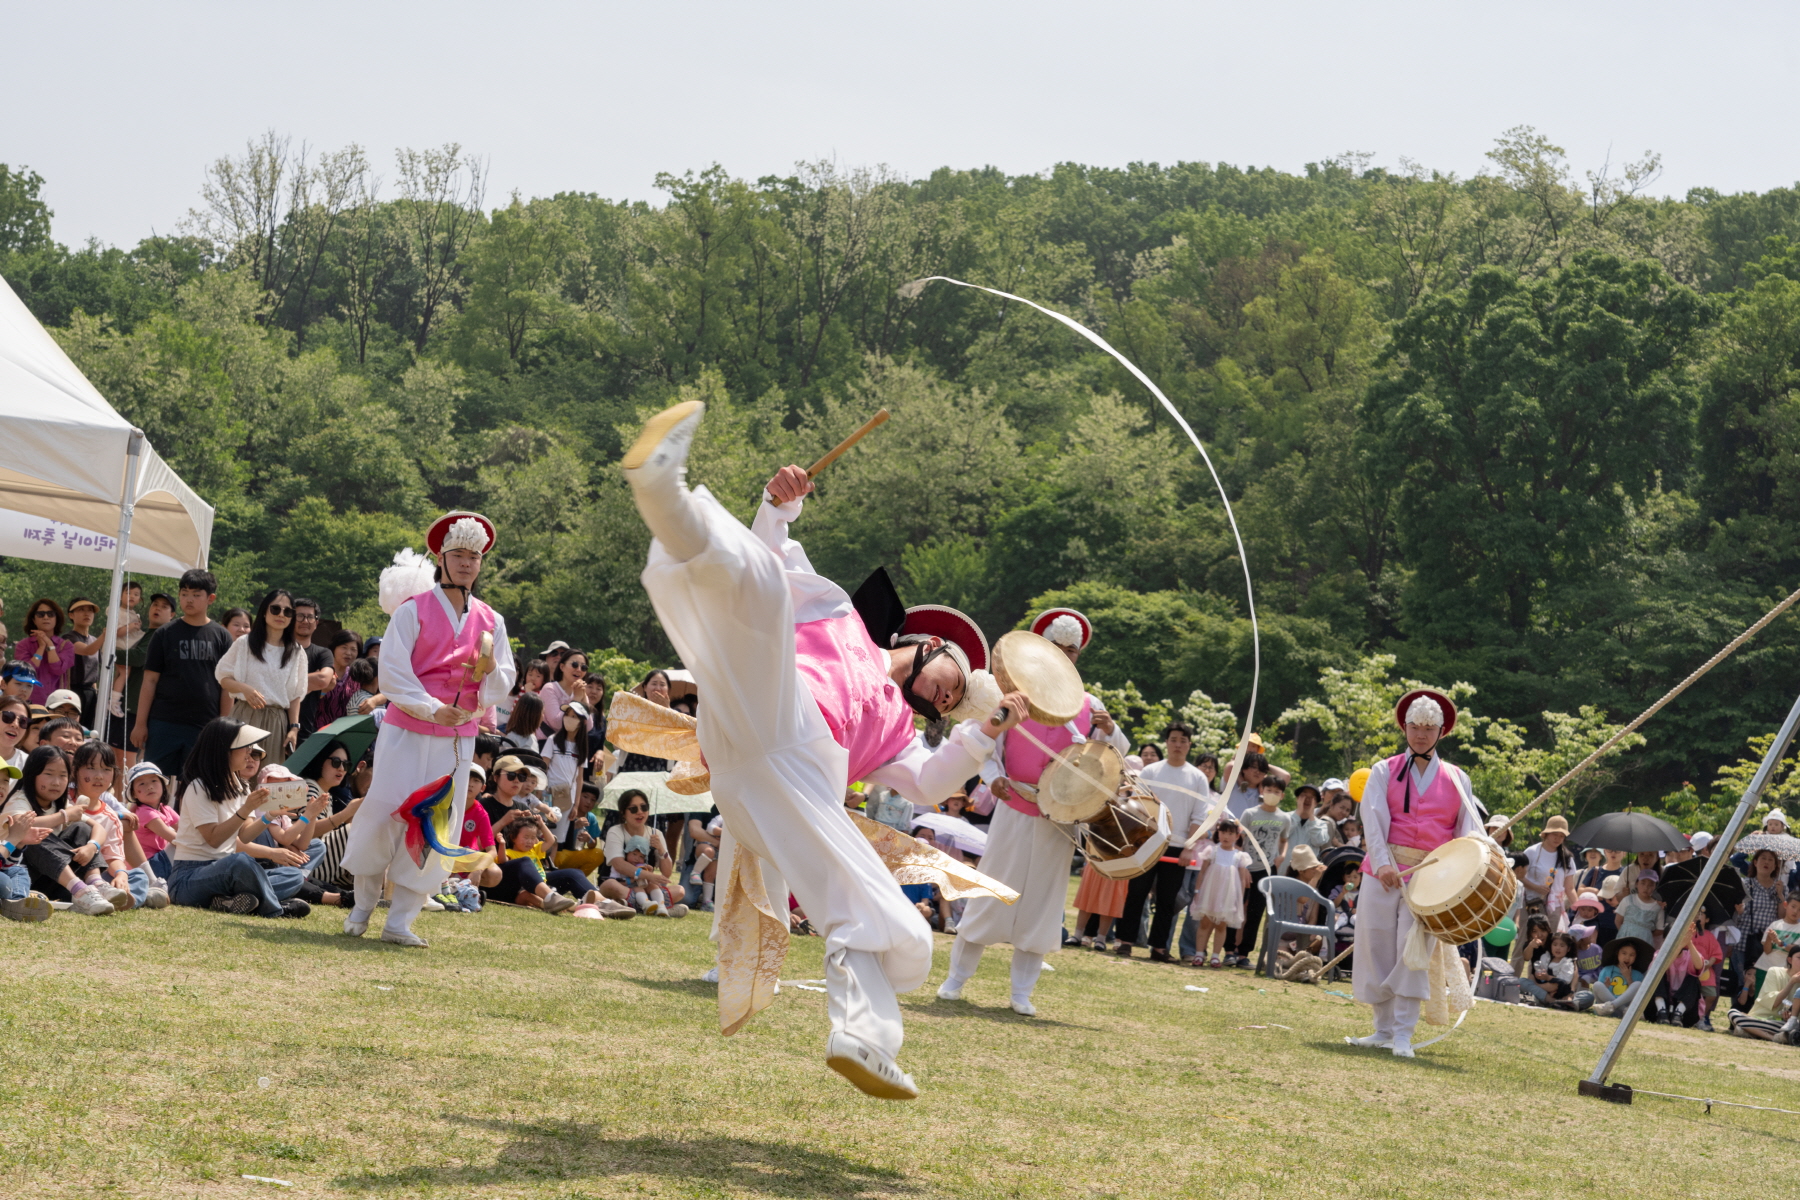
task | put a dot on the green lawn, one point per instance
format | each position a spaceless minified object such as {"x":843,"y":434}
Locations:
{"x":170,"y":1053}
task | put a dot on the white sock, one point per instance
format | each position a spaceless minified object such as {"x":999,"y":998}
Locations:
{"x":669,"y":510}
{"x":706,"y":891}
{"x":1025,"y":969}
{"x":965,"y":958}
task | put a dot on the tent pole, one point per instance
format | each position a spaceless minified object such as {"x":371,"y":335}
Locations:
{"x":134,"y":461}
{"x":1595,"y":1084}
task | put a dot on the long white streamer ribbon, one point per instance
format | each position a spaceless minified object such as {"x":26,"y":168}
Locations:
{"x":912,"y":289}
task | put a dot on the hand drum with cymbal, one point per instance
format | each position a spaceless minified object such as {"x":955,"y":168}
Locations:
{"x":1026,"y":662}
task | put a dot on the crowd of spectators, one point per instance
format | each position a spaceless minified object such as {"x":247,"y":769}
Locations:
{"x":226,"y":762}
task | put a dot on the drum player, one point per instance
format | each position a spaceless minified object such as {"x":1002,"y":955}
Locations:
{"x":1412,"y":803}
{"x":801,"y":700}
{"x":1025,"y":850}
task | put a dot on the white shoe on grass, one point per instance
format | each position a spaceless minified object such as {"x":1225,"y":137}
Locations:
{"x":92,"y":904}
{"x":354,"y":927}
{"x":1403,"y":1049}
{"x":711,"y":976}
{"x":874,"y":1073}
{"x":1023,"y":1006}
{"x":1374,"y":1041}
{"x":403,"y":937}
{"x":950,"y":990}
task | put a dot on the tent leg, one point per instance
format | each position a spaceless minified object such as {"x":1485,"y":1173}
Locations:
{"x":1595,"y":1084}
{"x":134,"y":460}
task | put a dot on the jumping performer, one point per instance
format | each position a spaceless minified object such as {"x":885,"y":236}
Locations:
{"x":1412,"y":803}
{"x":799,"y":701}
{"x":437,"y":679}
{"x":1025,"y":850}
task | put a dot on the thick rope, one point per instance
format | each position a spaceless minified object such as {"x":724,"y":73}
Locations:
{"x":1673,"y":692}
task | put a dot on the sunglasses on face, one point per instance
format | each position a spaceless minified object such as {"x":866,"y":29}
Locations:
{"x":257,"y":752}
{"x":306,"y":616}
{"x":339,"y":763}
{"x":13,"y":718}
{"x":280,"y":610}
{"x":638,"y":808}
{"x":43,"y":612}
{"x":516,"y":776}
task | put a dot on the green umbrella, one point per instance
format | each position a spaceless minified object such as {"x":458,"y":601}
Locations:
{"x":357,"y":734}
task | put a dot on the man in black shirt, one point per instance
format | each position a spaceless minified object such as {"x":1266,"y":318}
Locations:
{"x":320,"y":678}
{"x":180,"y":693}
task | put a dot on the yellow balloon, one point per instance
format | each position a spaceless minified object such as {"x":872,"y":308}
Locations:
{"x":1358,"y":782}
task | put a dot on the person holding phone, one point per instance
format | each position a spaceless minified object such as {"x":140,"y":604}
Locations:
{"x":219,"y":812}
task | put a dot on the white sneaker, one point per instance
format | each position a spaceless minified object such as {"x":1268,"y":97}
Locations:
{"x":119,"y":898}
{"x":1605,"y":1010}
{"x":655,"y":907}
{"x":662,"y":447}
{"x":1375,"y":1041}
{"x":403,"y":937}
{"x":1403,"y":1050}
{"x":711,"y":976}
{"x":557,"y":902}
{"x":432,"y":906}
{"x":354,"y":927}
{"x":92,"y":904}
{"x":679,"y":910}
{"x":950,"y":991}
{"x":156,"y":897}
{"x":1023,"y":1006}
{"x":873,"y":1073}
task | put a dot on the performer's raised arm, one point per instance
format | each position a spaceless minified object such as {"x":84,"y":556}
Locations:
{"x":926,"y":776}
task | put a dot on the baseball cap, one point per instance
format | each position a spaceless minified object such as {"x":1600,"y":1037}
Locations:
{"x":60,"y":697}
{"x":1700,"y":840}
{"x":555,"y":646}
{"x":18,"y":672}
{"x":1334,"y":784}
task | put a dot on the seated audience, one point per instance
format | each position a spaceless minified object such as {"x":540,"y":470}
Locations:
{"x":209,"y":866}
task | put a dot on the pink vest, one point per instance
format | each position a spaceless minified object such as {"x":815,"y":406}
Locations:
{"x":439,"y":658}
{"x":1430,"y":819}
{"x":847,"y":674}
{"x":1025,"y":762}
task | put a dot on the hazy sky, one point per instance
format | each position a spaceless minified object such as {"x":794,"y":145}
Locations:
{"x":121,"y":106}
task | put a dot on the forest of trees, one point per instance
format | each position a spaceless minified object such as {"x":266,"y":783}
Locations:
{"x":1534,"y":430}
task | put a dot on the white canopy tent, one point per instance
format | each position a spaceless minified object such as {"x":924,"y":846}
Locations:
{"x":78,"y":483}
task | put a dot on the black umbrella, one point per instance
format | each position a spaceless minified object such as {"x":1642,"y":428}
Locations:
{"x":1631,"y":832}
{"x":1677,"y":879}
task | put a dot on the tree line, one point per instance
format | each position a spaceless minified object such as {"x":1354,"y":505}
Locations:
{"x":1532,"y":430}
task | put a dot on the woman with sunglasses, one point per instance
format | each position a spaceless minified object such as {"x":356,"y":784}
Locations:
{"x":15,"y":721}
{"x":44,"y":649}
{"x":658,"y":871}
{"x":329,"y":774}
{"x":265,"y":672}
{"x":570,"y":685}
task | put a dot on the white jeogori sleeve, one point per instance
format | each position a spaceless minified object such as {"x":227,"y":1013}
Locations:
{"x":1375,"y":818}
{"x":925,"y":776}
{"x":497,"y":684}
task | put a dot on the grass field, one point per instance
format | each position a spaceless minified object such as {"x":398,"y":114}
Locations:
{"x":170,"y":1054}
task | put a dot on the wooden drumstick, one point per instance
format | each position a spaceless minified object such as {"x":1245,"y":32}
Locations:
{"x":879,"y":418}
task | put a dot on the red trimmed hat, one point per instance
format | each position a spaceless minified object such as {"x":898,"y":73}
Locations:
{"x":442,"y":527}
{"x":959,"y":629}
{"x":1443,"y":702}
{"x":1041,"y":623}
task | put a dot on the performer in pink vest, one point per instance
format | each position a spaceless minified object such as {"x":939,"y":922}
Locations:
{"x":1025,"y":851}
{"x":1412,"y":803}
{"x":799,"y":701}
{"x":430,"y":658}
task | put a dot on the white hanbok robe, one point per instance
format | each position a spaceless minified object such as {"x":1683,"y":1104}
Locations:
{"x":406,"y":761}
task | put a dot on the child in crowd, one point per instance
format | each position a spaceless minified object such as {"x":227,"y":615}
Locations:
{"x":1553,"y":974}
{"x":147,"y":790}
{"x":1778,"y":938}
{"x":1641,"y":915}
{"x":93,"y":772}
{"x":647,"y":898}
{"x":1618,"y":980}
{"x":1351,"y":831}
{"x":926,"y":895}
{"x":519,"y":877}
{"x":1218,"y":903}
{"x":64,"y":863}
{"x":1588,"y":953}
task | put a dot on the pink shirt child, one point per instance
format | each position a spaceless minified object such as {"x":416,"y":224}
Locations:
{"x":146,"y":813}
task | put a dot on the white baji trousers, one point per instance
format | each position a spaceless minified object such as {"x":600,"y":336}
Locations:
{"x":404,"y":762}
{"x":778,"y":776}
{"x":1379,"y":978}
